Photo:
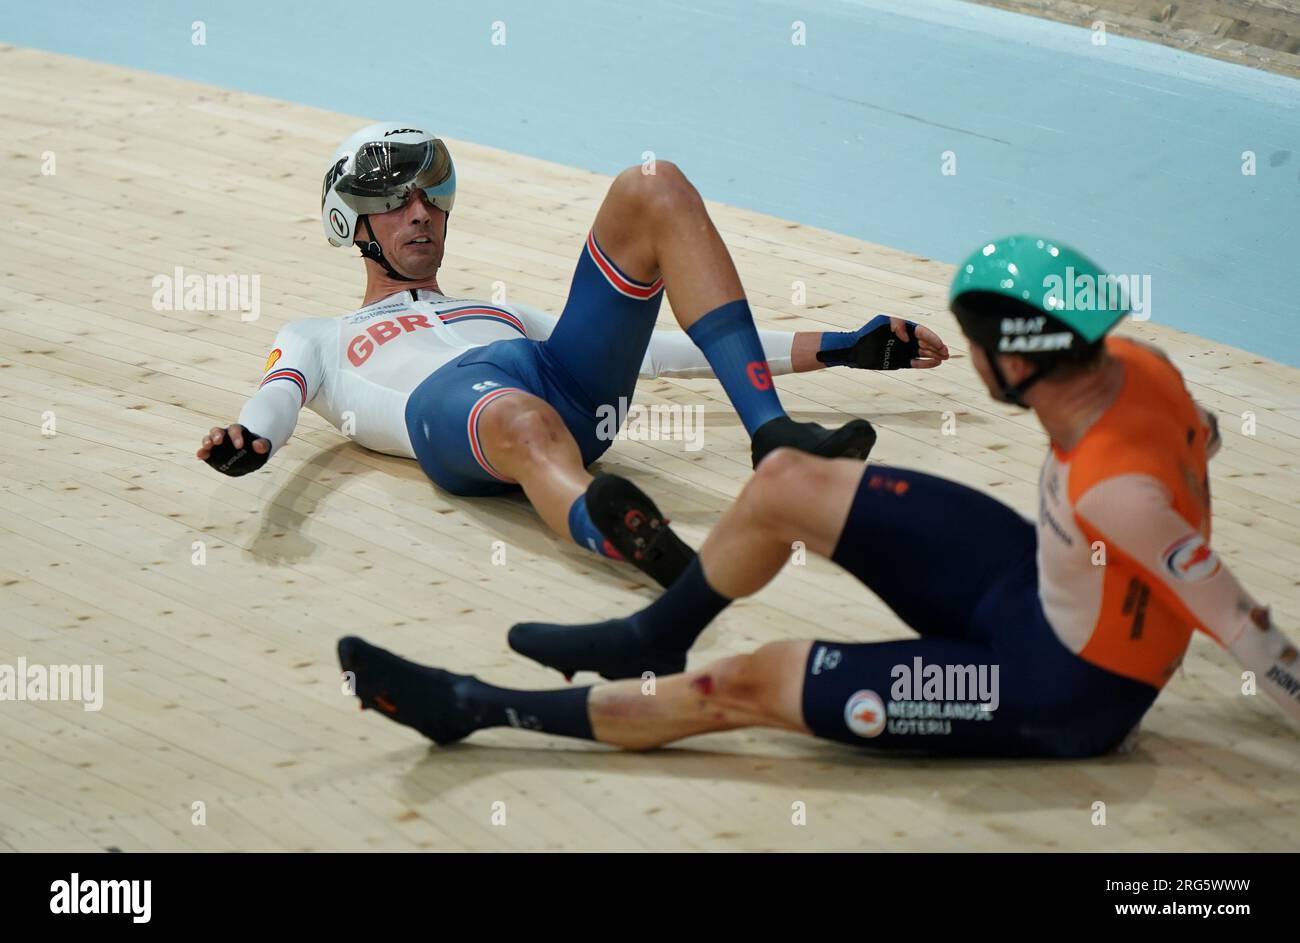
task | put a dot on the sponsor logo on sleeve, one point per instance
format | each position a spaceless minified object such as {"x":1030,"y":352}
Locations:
{"x":865,"y":714}
{"x":272,"y":359}
{"x":1190,"y":559}
{"x":825,"y":659}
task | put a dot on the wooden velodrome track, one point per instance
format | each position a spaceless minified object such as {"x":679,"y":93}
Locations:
{"x":221,"y":686}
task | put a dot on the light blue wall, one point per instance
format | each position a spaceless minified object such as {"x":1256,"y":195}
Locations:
{"x":1130,"y":151}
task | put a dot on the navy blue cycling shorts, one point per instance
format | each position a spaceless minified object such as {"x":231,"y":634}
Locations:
{"x":590,"y":361}
{"x":988,"y":675}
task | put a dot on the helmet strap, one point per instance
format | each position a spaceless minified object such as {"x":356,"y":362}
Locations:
{"x":371,"y":249}
{"x":1013,"y":394}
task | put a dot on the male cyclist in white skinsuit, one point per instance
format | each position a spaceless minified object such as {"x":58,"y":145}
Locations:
{"x":490,"y":398}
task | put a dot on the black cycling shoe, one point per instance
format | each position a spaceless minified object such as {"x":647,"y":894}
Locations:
{"x":419,"y":697}
{"x":854,"y":439}
{"x":612,"y":649}
{"x":637,"y":529}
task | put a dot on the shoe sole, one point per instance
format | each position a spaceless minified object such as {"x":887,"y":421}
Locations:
{"x":627,"y":517}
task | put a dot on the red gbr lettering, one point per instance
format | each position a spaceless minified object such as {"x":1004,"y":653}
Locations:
{"x":383,"y":331}
{"x":380,"y":333}
{"x":759,"y":375}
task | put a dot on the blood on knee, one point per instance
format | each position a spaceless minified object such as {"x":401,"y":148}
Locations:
{"x":732,"y":680}
{"x":703,"y":685}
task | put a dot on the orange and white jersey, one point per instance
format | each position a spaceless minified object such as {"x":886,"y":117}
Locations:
{"x":1126,"y":567}
{"x":357,"y":371}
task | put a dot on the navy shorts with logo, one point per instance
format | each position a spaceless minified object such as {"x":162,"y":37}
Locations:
{"x":960,"y":568}
{"x":591,"y":359}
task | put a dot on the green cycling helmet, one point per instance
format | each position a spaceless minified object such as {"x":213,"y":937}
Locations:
{"x":1034,"y":297}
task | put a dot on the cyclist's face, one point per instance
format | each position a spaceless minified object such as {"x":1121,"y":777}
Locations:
{"x":412,"y":236}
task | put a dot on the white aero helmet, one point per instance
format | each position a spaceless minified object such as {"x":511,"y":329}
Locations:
{"x":376,"y":170}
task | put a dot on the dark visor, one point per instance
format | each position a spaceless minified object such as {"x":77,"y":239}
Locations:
{"x":386,"y":173}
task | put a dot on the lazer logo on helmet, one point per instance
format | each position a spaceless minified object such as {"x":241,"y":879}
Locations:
{"x":403,"y":131}
{"x":1035,"y":343}
{"x":332,"y":177}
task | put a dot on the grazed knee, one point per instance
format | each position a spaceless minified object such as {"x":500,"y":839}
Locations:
{"x":736,"y":681}
{"x":525,"y":429}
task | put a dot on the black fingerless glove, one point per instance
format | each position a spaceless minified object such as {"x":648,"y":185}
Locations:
{"x":228,"y":460}
{"x":874,"y":346}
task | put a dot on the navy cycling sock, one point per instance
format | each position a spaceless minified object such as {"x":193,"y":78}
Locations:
{"x":653,"y":640}
{"x":562,"y":711}
{"x":675,"y":620}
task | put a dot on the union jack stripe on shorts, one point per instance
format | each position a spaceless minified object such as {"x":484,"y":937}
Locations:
{"x":474,"y":445}
{"x":620,"y":282}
